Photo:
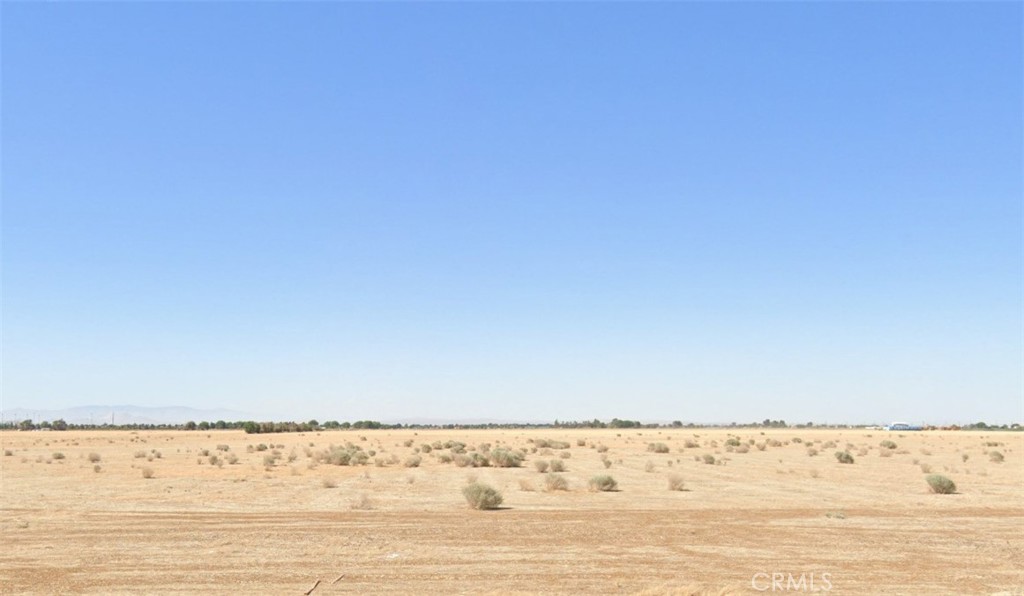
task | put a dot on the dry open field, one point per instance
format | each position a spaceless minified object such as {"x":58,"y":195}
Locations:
{"x":73,"y":525}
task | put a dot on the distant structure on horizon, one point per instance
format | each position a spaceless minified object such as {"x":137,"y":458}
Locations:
{"x":901,"y":426}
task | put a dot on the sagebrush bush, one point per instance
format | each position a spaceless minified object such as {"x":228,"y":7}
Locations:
{"x":541,"y":465}
{"x":147,"y":472}
{"x":94,"y":457}
{"x":481,"y":496}
{"x":941,"y":485}
{"x":556,"y":465}
{"x":887,"y":444}
{"x":657,"y":447}
{"x":708,"y":458}
{"x":844,"y":457}
{"x":603,"y":484}
{"x":994,"y":456}
{"x":550,"y":444}
{"x":675,"y":482}
{"x":553,"y":482}
{"x":412,"y":461}
{"x":505,"y":458}
{"x":58,"y":455}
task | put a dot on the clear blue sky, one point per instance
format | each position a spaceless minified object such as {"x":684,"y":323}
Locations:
{"x":695,"y":211}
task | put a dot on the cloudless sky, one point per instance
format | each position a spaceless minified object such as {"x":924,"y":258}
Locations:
{"x":516,"y":211}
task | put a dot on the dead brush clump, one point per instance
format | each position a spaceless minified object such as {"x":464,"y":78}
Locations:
{"x":555,"y":482}
{"x":675,"y":482}
{"x":362,"y":503}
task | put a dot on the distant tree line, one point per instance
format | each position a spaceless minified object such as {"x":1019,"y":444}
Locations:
{"x":252,"y":427}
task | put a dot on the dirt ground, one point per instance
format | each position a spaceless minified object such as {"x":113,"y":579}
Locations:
{"x":276,"y":520}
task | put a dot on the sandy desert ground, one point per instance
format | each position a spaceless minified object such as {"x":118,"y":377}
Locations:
{"x":276,"y":521}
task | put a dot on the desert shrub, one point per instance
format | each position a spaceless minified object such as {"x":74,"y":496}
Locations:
{"x":329,"y":483}
{"x":481,"y":496}
{"x":556,"y":465}
{"x":743,"y":449}
{"x":147,"y":472}
{"x":215,"y":461}
{"x":269,"y":460}
{"x":408,"y":442}
{"x":732,"y":442}
{"x":97,"y":468}
{"x":862,"y":451}
{"x":223,"y":448}
{"x":760,"y":446}
{"x":426,"y":448}
{"x":649,"y":466}
{"x":412,"y":461}
{"x":844,"y":457}
{"x":886,"y":453}
{"x":8,"y":453}
{"x":362,"y":502}
{"x":505,"y":458}
{"x":941,"y":485}
{"x":776,"y":443}
{"x":994,"y":456}
{"x":829,"y":445}
{"x":550,"y":444}
{"x":565,"y":454}
{"x":602,"y":484}
{"x":541,"y":465}
{"x":657,"y":447}
{"x":708,"y":459}
{"x":94,"y":457}
{"x":602,"y":448}
{"x":887,"y":444}
{"x":462,"y":460}
{"x":581,"y":442}
{"x":262,"y":447}
{"x":231,"y":458}
{"x":797,"y":440}
{"x":525,"y":485}
{"x":675,"y":482}
{"x":811,"y":452}
{"x":58,"y":455}
{"x":607,"y":463}
{"x":139,"y":454}
{"x":348,"y":455}
{"x":926,"y":468}
{"x":964,"y":457}
{"x":444,"y":458}
{"x":553,"y":482}
{"x":204,"y":452}
{"x":690,"y":444}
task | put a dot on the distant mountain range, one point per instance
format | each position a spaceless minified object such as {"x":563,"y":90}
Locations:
{"x":121,"y":415}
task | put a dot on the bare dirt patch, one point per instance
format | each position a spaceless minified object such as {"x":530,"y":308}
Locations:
{"x":268,"y":523}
